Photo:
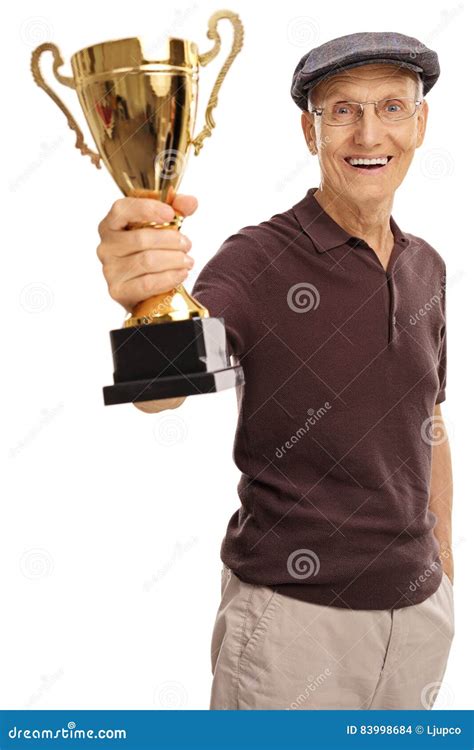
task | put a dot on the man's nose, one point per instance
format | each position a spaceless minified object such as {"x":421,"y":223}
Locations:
{"x":369,"y":129}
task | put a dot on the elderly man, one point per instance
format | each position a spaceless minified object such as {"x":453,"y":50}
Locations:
{"x":337,"y":577}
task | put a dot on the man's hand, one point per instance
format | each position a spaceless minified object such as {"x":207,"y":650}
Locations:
{"x":139,"y":263}
{"x":151,"y":407}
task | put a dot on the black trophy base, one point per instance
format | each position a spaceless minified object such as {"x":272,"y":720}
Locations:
{"x":168,"y":360}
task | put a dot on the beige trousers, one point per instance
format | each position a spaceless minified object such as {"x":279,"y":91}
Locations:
{"x":270,"y":651}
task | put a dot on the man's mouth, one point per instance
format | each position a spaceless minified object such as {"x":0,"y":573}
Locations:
{"x":368,"y":164}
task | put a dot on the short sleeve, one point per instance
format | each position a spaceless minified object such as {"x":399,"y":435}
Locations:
{"x":442,"y":350}
{"x":227,"y":287}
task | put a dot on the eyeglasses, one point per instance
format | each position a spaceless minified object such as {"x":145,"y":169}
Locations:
{"x":388,"y":110}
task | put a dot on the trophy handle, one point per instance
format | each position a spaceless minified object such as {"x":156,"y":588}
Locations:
{"x":67,"y":81}
{"x":206,"y":58}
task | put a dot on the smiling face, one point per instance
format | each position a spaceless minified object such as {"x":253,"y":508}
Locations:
{"x":369,"y":137}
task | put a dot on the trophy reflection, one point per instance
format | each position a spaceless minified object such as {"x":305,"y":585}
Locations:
{"x":141,"y":114}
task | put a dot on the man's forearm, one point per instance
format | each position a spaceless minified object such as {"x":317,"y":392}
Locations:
{"x":441,"y":492}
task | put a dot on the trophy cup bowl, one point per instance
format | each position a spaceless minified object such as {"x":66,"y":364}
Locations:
{"x":141,"y":114}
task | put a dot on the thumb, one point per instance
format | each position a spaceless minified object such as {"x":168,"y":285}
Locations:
{"x":185,"y":204}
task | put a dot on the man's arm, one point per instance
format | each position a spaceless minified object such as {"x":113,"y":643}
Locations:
{"x":441,"y":493}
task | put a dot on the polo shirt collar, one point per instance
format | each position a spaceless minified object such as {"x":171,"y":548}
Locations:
{"x":324,"y":232}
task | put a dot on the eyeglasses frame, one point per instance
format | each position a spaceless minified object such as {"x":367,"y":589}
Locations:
{"x":319,"y":111}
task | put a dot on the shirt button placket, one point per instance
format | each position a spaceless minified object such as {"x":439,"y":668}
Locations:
{"x":392,"y":321}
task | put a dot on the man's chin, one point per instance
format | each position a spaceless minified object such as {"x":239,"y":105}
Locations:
{"x":370,"y":193}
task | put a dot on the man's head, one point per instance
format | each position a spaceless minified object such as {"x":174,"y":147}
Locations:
{"x":369,"y":137}
{"x":336,"y":85}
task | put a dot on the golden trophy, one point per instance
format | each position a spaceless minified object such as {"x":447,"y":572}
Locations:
{"x":141,"y":114}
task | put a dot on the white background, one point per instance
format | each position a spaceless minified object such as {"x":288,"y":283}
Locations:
{"x":112,"y":519}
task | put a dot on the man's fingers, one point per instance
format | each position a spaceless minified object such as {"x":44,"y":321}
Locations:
{"x":136,"y":240}
{"x":152,"y":407}
{"x":143,"y":287}
{"x":127,"y":210}
{"x":148,"y":262}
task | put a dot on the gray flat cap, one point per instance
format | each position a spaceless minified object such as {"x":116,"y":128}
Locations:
{"x":363,"y":48}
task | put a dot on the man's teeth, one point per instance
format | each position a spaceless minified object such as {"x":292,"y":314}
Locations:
{"x":368,"y":162}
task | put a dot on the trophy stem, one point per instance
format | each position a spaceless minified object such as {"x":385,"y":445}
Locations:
{"x":168,"y":307}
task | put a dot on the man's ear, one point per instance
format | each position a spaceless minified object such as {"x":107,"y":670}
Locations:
{"x":309,"y":131}
{"x":421,"y":123}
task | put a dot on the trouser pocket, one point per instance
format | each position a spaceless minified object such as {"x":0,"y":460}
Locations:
{"x":260,"y":610}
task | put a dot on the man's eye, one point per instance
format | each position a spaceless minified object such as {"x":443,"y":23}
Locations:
{"x":342,"y":109}
{"x":392,"y":105}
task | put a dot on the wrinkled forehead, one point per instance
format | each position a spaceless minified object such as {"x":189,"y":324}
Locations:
{"x":367,"y":82}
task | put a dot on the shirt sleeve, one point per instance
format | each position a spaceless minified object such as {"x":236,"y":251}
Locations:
{"x":442,"y":350}
{"x":227,"y":287}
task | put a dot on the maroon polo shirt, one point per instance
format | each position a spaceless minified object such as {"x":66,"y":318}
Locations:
{"x":344,"y":362}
